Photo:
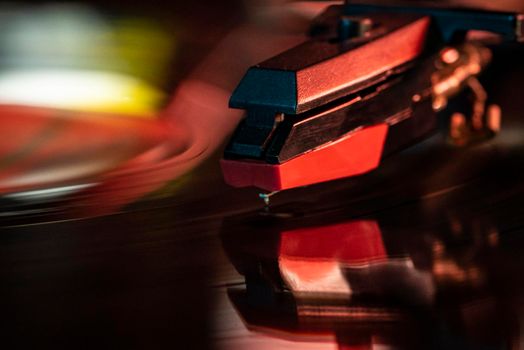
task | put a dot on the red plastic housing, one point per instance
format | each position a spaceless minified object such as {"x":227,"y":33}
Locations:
{"x":356,"y":153}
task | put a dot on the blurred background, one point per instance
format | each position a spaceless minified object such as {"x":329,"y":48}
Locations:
{"x":92,"y":92}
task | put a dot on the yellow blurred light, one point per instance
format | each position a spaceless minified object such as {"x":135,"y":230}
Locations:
{"x":95,"y":91}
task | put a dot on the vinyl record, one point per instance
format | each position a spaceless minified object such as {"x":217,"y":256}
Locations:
{"x":149,"y":248}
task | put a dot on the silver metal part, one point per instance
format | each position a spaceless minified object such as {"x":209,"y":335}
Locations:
{"x":266,"y":196}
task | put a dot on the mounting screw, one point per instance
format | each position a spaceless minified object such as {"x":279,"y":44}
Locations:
{"x":352,"y":27}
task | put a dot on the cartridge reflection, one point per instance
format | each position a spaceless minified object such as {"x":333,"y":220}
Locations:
{"x":346,"y":260}
{"x":364,"y":284}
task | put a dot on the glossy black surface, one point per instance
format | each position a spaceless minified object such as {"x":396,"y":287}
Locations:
{"x":166,"y":271}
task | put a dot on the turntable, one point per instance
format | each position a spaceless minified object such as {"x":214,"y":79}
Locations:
{"x":148,"y":247}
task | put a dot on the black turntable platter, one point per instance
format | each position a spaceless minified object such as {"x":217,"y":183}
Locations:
{"x":422,"y":253}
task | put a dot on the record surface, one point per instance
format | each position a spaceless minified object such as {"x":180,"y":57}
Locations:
{"x":201,"y":265}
